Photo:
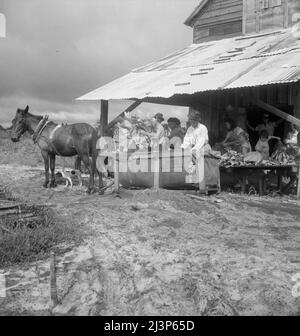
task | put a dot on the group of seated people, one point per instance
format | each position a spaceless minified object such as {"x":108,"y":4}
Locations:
{"x":237,"y":139}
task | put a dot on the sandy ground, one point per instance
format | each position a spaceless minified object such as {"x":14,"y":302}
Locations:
{"x":230,"y":255}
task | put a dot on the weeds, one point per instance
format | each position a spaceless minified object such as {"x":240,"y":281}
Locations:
{"x":30,"y":233}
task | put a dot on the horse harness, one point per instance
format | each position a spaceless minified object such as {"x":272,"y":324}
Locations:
{"x":39,"y":130}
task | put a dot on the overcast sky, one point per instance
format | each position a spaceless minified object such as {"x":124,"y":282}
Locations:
{"x":58,"y":50}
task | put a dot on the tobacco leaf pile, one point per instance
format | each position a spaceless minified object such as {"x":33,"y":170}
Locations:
{"x":281,"y":157}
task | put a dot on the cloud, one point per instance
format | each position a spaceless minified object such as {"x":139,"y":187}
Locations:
{"x":79,"y":111}
{"x":58,"y":50}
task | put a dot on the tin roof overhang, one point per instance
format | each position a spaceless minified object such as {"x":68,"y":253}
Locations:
{"x":239,"y":62}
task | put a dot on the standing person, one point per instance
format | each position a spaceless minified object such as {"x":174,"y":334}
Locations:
{"x":245,"y":144}
{"x":267,"y":125}
{"x":176,"y":135}
{"x":233,"y":140}
{"x":158,"y":131}
{"x":196,"y":139}
{"x":263,"y":146}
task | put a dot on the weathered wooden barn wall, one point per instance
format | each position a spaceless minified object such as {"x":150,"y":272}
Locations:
{"x":267,"y":15}
{"x":218,"y":19}
{"x":212,"y":105}
{"x":227,"y":18}
{"x":296,"y":99}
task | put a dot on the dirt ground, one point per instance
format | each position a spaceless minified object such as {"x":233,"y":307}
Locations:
{"x":227,"y":255}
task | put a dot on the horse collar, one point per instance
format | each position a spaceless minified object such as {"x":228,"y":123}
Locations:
{"x":39,"y":132}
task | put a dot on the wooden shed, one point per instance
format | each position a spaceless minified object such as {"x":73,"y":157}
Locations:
{"x":245,"y":53}
{"x":215,"y":19}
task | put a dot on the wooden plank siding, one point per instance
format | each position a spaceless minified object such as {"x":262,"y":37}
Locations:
{"x":214,"y":32}
{"x":212,"y":105}
{"x":268,"y":15}
{"x":219,"y":18}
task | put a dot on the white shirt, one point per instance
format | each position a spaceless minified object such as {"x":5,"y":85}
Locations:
{"x":159,"y":133}
{"x":292,"y":138}
{"x":196,"y":137}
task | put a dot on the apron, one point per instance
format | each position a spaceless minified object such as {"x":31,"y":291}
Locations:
{"x":196,"y":174}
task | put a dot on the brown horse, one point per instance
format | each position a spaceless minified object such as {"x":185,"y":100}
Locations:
{"x":62,"y":140}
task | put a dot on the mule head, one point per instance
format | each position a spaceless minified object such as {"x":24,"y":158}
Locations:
{"x":19,"y":124}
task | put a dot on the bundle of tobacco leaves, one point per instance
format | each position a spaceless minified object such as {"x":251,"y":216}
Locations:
{"x":232,"y":159}
{"x":285,"y":155}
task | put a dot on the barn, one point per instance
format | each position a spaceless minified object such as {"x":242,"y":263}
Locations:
{"x":244,"y":54}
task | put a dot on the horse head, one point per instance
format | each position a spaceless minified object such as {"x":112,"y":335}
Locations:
{"x":19,"y":124}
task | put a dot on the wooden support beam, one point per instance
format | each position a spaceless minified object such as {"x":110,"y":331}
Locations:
{"x":129,"y":109}
{"x":277,"y":112}
{"x":155,"y":162}
{"x":116,"y":173}
{"x":106,"y":127}
{"x":103,"y":117}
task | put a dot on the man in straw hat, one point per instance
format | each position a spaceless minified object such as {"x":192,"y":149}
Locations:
{"x":196,"y":139}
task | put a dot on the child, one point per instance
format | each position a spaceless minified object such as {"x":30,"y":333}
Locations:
{"x":262,"y":145}
{"x":245,"y":144}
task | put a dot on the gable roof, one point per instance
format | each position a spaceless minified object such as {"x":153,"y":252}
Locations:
{"x":195,"y":13}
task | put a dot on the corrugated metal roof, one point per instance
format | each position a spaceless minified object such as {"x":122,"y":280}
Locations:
{"x":225,"y":64}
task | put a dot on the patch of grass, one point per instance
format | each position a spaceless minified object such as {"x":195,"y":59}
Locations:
{"x":22,"y":243}
{"x":25,"y":153}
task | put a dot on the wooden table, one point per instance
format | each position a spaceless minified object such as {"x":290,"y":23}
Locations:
{"x":243,"y":172}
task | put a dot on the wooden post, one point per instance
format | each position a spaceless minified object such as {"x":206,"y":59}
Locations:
{"x":116,"y":172}
{"x":155,"y":163}
{"x":103,"y":117}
